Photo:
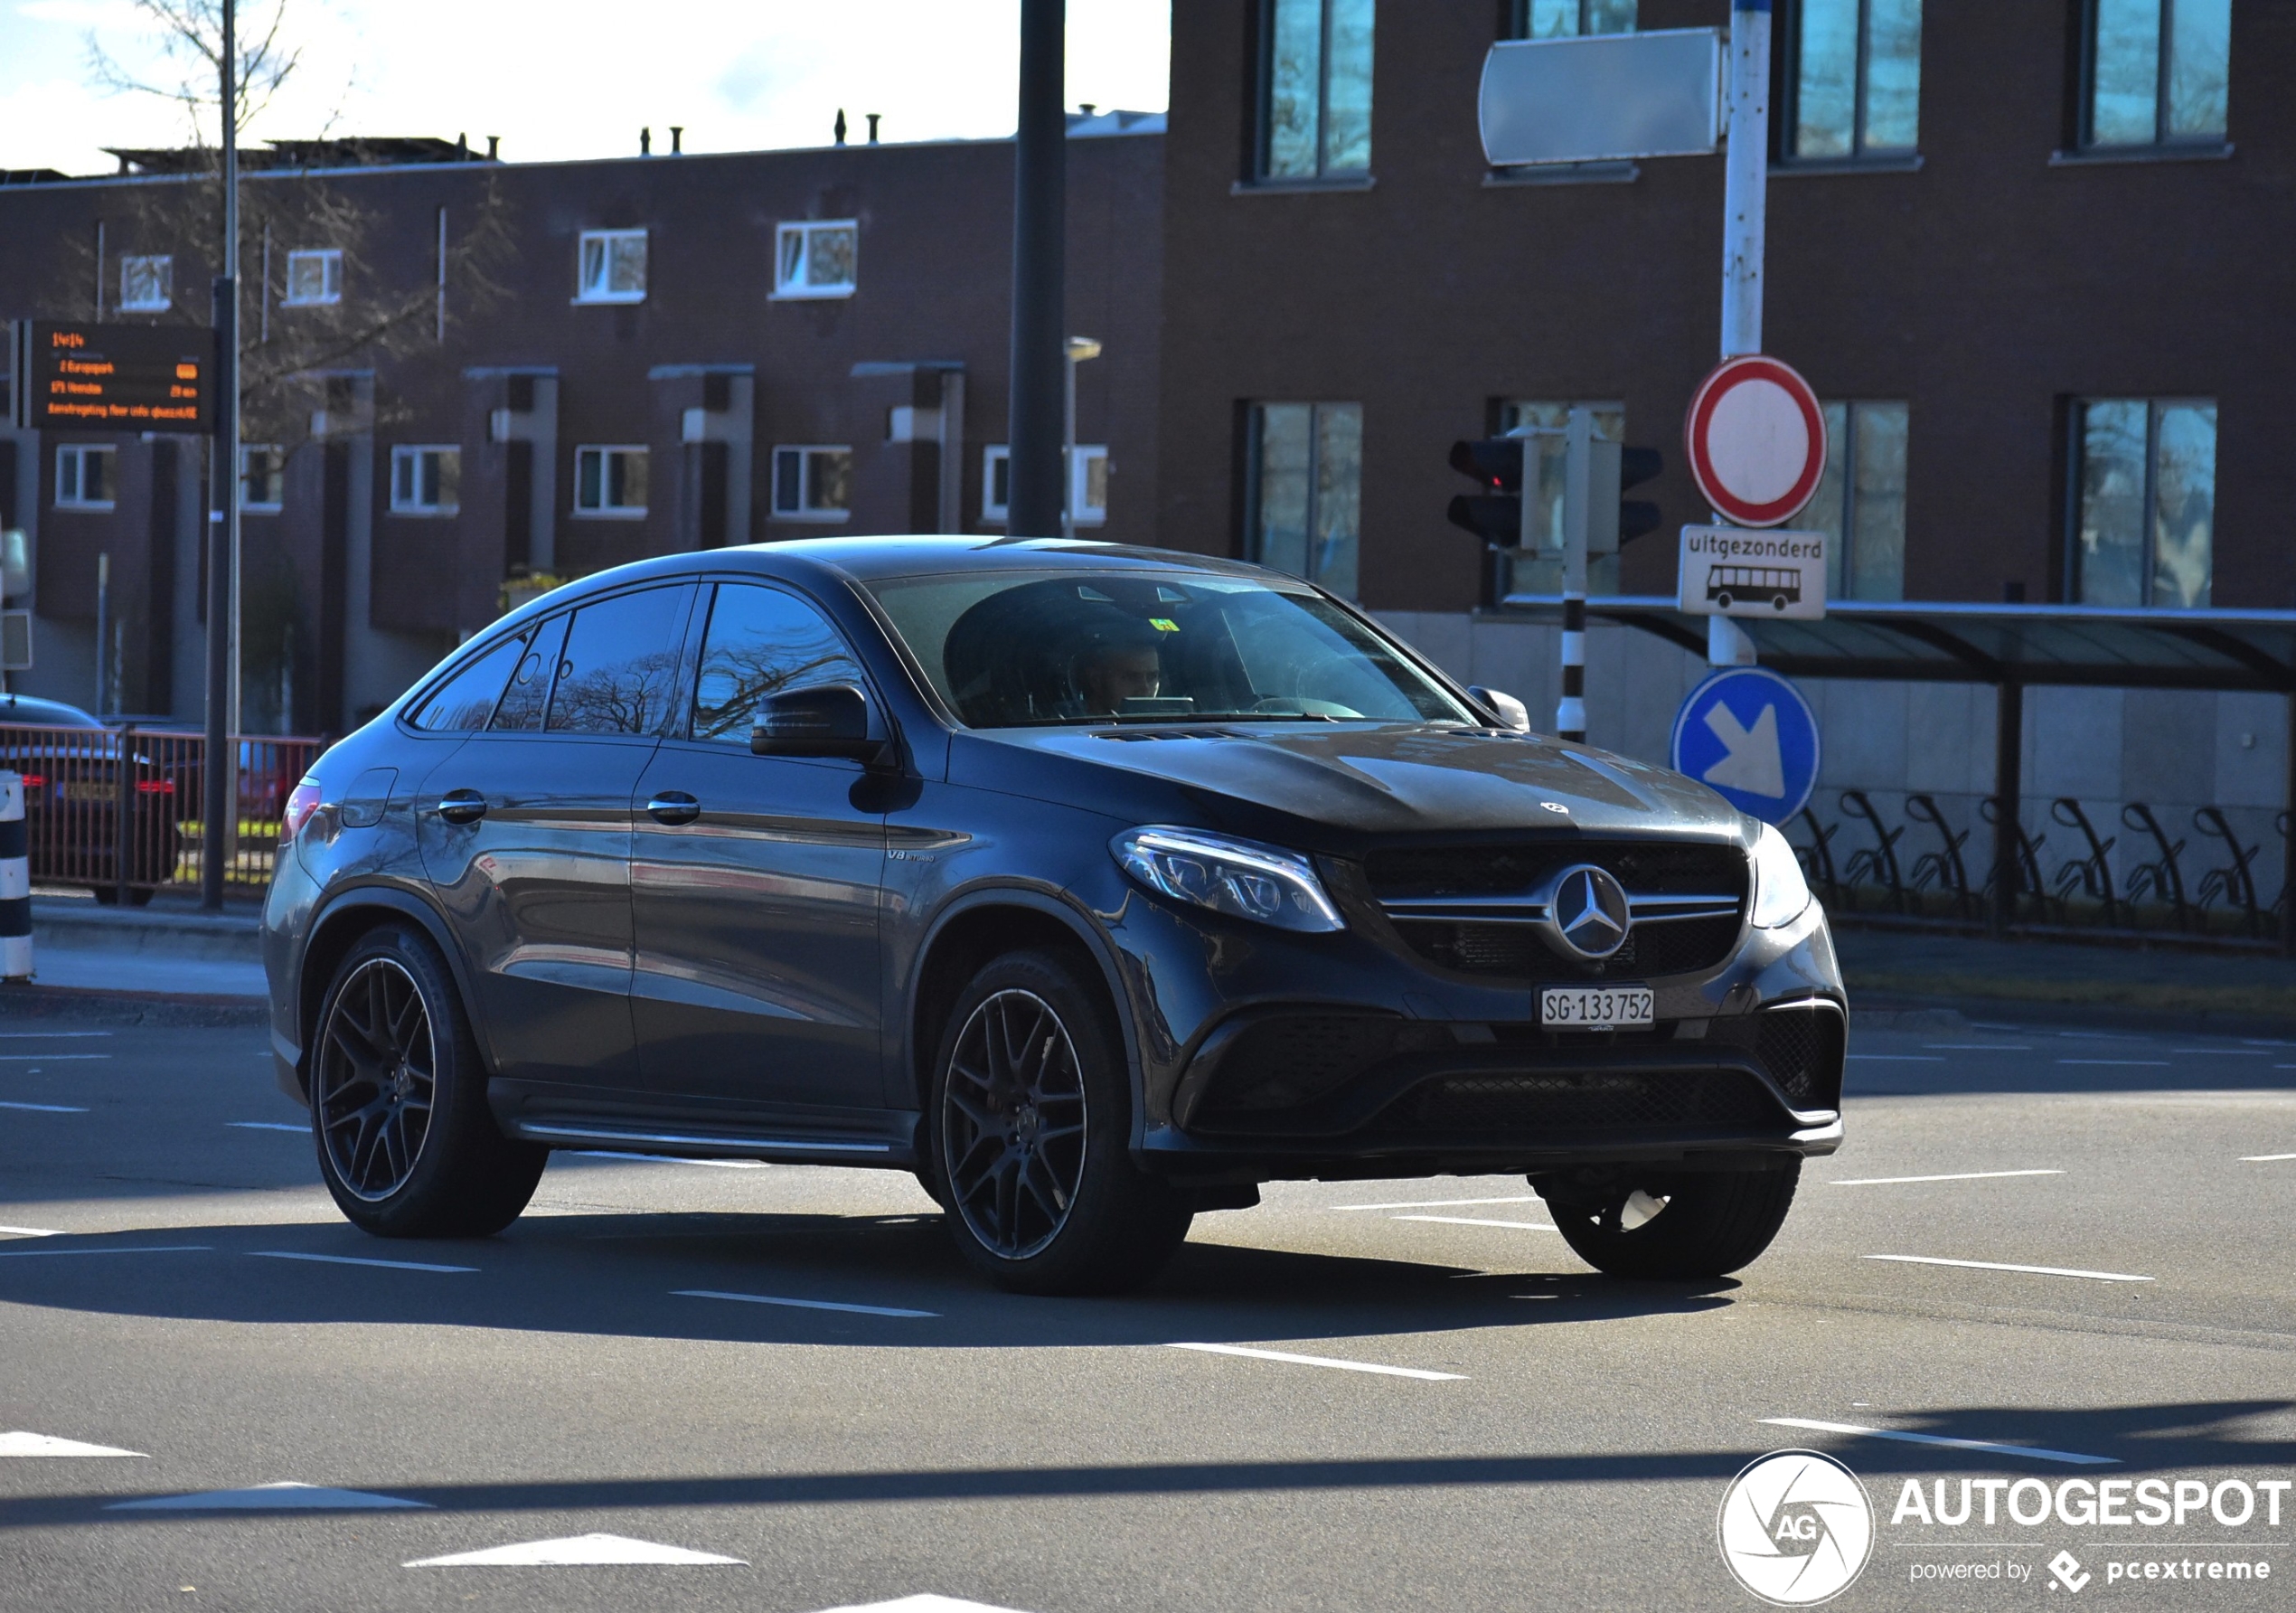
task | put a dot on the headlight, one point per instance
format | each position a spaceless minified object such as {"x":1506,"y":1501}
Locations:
{"x":1240,"y":878}
{"x":1779,"y":892}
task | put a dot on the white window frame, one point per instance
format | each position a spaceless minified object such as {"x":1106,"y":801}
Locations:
{"x":790,"y":279}
{"x":411,"y":453}
{"x":605,"y":242}
{"x":165,"y":274}
{"x":996,"y":514}
{"x":249,"y":502}
{"x":807,"y":509}
{"x":602,"y":511}
{"x":77,"y":454}
{"x":330,"y":261}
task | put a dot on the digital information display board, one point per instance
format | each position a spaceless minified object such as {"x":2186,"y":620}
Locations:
{"x":91,"y":377}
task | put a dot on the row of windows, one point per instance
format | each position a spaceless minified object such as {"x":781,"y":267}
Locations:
{"x":813,"y":259}
{"x":2153,"y":72}
{"x":2141,"y":521}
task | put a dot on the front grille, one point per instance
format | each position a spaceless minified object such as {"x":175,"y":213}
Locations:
{"x":1647,"y":868}
{"x":1801,"y":1049}
{"x":1600,"y":1100}
{"x":1516,"y":951}
{"x":1291,"y":1061}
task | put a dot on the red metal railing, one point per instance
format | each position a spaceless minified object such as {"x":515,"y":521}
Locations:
{"x":118,"y":810}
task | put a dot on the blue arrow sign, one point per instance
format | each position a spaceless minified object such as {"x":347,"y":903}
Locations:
{"x":1747,"y":734}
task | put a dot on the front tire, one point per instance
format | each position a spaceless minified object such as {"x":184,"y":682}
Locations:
{"x":406,"y":1142}
{"x":1030,"y":1123}
{"x":1682,"y":1226}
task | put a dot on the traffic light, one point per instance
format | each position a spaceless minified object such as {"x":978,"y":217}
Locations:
{"x":1495,"y":514}
{"x":1616,"y":519}
{"x":1636,"y":515}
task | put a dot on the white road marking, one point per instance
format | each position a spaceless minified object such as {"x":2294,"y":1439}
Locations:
{"x":1979,"y":1047}
{"x":923,"y":1604}
{"x":1893,"y":1058}
{"x":723,"y":1165}
{"x":49,"y":1035}
{"x":151,"y":1249}
{"x":1530,"y":1198}
{"x":1344,"y":1366}
{"x":2007,"y":1450}
{"x":579,"y":1550}
{"x":820,"y":1305}
{"x":288,"y":1254}
{"x":45,"y":1108}
{"x":1462,"y":1221}
{"x":48,"y":1058}
{"x":268,"y":1126}
{"x":2122,"y":1063}
{"x":2245,"y":1159}
{"x":21,"y":1444}
{"x":32,"y":1232}
{"x":1959,"y":1176}
{"x":2228,"y":1052}
{"x":2103,"y":1276}
{"x":286,"y":1497}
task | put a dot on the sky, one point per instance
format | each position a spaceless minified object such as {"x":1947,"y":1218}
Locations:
{"x":568,"y":79}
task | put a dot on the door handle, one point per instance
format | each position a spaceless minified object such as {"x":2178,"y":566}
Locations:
{"x":462,"y":807}
{"x":673,"y":806}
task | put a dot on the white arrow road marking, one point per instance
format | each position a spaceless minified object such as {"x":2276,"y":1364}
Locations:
{"x":2103,"y":1276}
{"x":923,"y":1604}
{"x":820,"y":1305}
{"x":1753,"y":763}
{"x":1899,"y":1434}
{"x":285,"y":1496}
{"x":1344,"y":1366}
{"x":21,"y":1444}
{"x":579,"y":1550}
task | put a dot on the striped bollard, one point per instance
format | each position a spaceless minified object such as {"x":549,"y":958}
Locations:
{"x":15,"y":883}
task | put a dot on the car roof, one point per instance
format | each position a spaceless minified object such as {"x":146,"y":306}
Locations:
{"x":31,"y":709}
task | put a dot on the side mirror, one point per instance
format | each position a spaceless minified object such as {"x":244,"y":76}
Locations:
{"x":834,"y":720}
{"x":1512,"y":713}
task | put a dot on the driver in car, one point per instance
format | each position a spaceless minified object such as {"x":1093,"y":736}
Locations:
{"x":1119,"y":664}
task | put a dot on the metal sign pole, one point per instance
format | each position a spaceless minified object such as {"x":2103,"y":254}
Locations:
{"x":1745,"y":184}
{"x":220,"y":792}
{"x":1578,"y":454}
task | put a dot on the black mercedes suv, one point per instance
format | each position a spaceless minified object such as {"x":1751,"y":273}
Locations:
{"x":1096,"y":886}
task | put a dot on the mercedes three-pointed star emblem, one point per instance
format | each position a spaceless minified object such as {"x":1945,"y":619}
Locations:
{"x":1587,"y":913}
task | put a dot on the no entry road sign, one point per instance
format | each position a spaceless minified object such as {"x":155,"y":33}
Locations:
{"x":1756,"y":440}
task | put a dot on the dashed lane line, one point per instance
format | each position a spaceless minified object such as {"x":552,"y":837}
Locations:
{"x":2245,"y":1159}
{"x":1956,"y":1177}
{"x":1995,"y":1446}
{"x":2103,"y":1276}
{"x":2122,"y":1063}
{"x":21,"y":1444}
{"x":819,"y":1304}
{"x":1529,"y":1198}
{"x":1895,"y":1058}
{"x":32,"y":1232}
{"x":1978,"y":1047}
{"x":268,"y":1126}
{"x":49,"y":1058}
{"x":723,"y":1165}
{"x":46,"y":1108}
{"x":1324,"y":1361}
{"x":1462,"y":1221}
{"x":2227,"y":1052}
{"x":49,"y":1035}
{"x":287,"y":1254}
{"x":148,"y":1249}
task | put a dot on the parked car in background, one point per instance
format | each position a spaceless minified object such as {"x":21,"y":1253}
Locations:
{"x":77,"y":773}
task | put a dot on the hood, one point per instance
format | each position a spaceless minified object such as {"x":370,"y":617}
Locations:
{"x":1348,"y":783}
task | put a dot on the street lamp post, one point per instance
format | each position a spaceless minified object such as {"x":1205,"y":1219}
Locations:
{"x":1078,"y":349}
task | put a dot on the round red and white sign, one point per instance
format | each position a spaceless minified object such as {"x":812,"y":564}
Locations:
{"x":1756,"y":440}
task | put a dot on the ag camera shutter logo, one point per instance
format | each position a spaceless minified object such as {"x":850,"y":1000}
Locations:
{"x":1796,"y":1528}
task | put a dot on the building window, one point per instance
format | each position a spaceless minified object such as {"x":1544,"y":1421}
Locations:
{"x":812,"y":482}
{"x":1541,"y":570}
{"x":1316,"y":89}
{"x":2145,"y":489}
{"x":610,"y":481}
{"x":1306,"y":497}
{"x":426,"y":480}
{"x":262,"y":478}
{"x":314,"y":277}
{"x":84,"y":476}
{"x":2156,"y":72}
{"x":821,"y":259}
{"x":146,"y":285}
{"x":613,"y":266}
{"x":1860,"y":501}
{"x":1855,"y":80}
{"x":1568,"y":19}
{"x":1087,"y":484}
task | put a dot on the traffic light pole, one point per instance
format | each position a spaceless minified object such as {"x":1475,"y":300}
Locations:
{"x":219,"y":822}
{"x":1746,"y":184}
{"x":1578,"y":486}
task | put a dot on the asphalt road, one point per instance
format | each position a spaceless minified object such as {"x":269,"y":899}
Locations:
{"x":1548,"y":1437}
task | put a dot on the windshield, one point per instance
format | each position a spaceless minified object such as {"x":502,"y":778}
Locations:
{"x":1020,"y":650}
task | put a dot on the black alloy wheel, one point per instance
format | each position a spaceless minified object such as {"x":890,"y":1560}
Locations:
{"x":1682,"y":1226}
{"x":406,"y":1142}
{"x":1031,"y":1133}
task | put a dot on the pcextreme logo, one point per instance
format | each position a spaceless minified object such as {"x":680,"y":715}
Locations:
{"x":1796,"y":1528}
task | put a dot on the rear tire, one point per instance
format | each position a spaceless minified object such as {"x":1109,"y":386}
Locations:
{"x":1030,"y":1127}
{"x":1682,"y":1226}
{"x":406,"y":1142}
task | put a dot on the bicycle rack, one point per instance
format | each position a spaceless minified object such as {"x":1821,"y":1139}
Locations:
{"x":1817,"y":857}
{"x":2094,"y":874}
{"x":2235,"y":881}
{"x":2027,"y":880}
{"x":1944,"y":865}
{"x":1881,"y":857}
{"x":2163,"y":878}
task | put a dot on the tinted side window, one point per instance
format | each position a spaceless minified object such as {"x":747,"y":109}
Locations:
{"x":463,"y":701}
{"x":763,"y":642}
{"x":620,"y":664}
{"x":529,"y":686}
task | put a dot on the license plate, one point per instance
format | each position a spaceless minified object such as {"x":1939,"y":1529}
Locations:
{"x":87,"y":789}
{"x":1595,"y":1007}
